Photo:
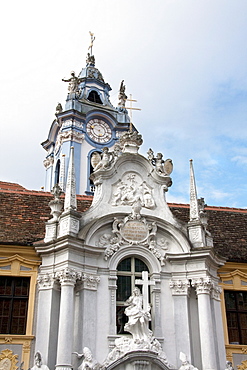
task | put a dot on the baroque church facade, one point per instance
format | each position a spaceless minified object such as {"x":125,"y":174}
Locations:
{"x":122,"y":283}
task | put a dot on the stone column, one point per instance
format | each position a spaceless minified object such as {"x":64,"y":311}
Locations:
{"x":180,"y":291}
{"x":47,"y":318}
{"x":219,"y":335}
{"x":67,"y":278}
{"x":203,"y":288}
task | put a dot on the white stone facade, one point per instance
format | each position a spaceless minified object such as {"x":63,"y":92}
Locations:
{"x":78,"y":277}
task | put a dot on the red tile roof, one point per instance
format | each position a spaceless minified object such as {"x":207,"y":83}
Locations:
{"x":24,"y":212}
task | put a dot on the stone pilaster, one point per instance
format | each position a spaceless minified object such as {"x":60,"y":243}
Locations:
{"x":67,"y":279}
{"x":204,"y":288}
{"x":112,"y":279}
{"x":47,"y":317}
{"x":180,"y":289}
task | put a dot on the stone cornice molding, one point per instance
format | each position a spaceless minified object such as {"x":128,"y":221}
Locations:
{"x":180,"y":287}
{"x":202,"y":285}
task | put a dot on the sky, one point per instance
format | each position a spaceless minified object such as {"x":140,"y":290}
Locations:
{"x":184,"y":61}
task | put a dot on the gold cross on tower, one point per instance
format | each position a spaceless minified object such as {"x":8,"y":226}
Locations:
{"x":131,"y":108}
{"x":91,"y":42}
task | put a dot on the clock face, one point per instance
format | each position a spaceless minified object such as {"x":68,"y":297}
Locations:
{"x":99,"y":131}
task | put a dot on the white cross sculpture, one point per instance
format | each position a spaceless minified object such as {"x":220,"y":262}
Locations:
{"x":145,"y":283}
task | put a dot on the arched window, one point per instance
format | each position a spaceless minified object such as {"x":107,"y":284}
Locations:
{"x":94,"y":97}
{"x":57,"y":172}
{"x":128,"y":271}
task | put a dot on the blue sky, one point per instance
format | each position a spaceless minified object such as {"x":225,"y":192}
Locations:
{"x":185,"y":61}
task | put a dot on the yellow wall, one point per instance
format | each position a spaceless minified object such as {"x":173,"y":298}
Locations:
{"x":21,"y":261}
{"x":233,"y":277}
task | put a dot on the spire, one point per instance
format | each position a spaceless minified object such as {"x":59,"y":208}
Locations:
{"x":70,"y":194}
{"x":194,"y":209}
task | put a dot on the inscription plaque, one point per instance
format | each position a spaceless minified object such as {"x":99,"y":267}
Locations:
{"x":134,"y":231}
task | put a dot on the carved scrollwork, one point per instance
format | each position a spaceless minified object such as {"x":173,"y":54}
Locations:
{"x":180,"y":287}
{"x":70,"y":135}
{"x":67,"y":276}
{"x":48,"y":162}
{"x":203,"y":285}
{"x":8,"y":360}
{"x":46,"y":281}
{"x":132,"y":231}
{"x":243,"y":365}
{"x":90,"y":281}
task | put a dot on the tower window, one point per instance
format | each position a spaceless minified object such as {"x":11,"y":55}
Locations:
{"x":236,"y":314}
{"x":57,"y":172}
{"x":94,"y":97}
{"x":14,"y":292}
{"x":128,"y":271}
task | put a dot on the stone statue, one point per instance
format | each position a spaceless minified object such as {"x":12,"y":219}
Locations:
{"x":90,"y":61}
{"x":88,"y":361}
{"x":163,"y":168}
{"x":185,"y":363}
{"x":138,"y":318}
{"x":73,"y":83}
{"x":106,"y":160}
{"x":122,"y":96}
{"x":229,"y":365}
{"x":38,"y":362}
{"x":59,"y":108}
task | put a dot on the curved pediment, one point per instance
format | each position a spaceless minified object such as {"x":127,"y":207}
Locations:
{"x":140,"y":360}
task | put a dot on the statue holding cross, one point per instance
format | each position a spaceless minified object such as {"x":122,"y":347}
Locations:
{"x":138,"y":311}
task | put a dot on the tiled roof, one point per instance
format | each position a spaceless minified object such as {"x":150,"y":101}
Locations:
{"x":24,"y":212}
{"x":228,"y":227}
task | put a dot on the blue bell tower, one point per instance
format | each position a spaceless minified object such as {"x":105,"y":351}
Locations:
{"x":88,"y":122}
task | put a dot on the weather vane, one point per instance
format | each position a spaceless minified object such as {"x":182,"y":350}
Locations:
{"x":91,"y":43}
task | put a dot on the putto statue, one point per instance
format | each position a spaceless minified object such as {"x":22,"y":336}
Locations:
{"x":38,"y":365}
{"x":73,"y":83}
{"x":138,"y":318}
{"x":162,"y":167}
{"x":107,"y":158}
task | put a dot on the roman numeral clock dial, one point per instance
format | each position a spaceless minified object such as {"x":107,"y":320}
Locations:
{"x":99,"y":131}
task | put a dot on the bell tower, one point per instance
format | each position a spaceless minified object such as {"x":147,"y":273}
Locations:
{"x":88,"y":122}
